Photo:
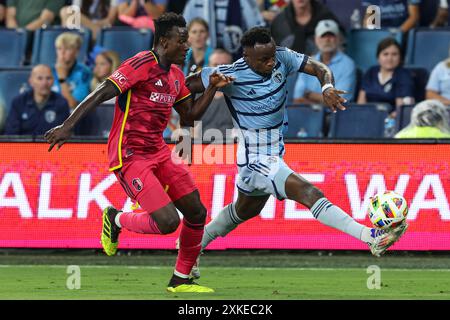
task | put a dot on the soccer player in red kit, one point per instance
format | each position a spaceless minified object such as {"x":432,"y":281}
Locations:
{"x":148,"y":85}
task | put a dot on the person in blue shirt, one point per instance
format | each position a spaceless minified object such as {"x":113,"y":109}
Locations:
{"x":387,"y":82}
{"x":37,"y":110}
{"x":402,"y":14}
{"x":198,"y":55}
{"x":307,"y":88}
{"x":256,"y":100}
{"x":438,"y":86}
{"x":72,"y":79}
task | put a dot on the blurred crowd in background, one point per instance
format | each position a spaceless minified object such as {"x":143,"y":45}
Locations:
{"x":395,"y":67}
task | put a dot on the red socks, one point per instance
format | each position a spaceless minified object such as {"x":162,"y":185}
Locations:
{"x":139,"y":223}
{"x":190,"y":246}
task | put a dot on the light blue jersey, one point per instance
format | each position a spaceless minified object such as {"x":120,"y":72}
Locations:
{"x":257,"y":103}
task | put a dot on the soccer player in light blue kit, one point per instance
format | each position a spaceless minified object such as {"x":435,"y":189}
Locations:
{"x":256,"y":100}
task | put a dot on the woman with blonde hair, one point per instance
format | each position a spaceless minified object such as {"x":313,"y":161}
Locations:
{"x":198,"y":55}
{"x":105,"y":63}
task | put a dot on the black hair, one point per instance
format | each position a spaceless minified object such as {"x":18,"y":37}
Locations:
{"x":386,"y":43}
{"x":165,"y":23}
{"x":256,"y":35}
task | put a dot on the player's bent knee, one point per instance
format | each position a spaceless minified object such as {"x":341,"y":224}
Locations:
{"x":169,"y":224}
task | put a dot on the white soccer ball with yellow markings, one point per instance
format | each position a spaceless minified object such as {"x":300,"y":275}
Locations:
{"x":387,"y":210}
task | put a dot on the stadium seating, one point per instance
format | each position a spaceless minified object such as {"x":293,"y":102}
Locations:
{"x":359,"y":121}
{"x":427,"y":47}
{"x":420,"y":77}
{"x":44,"y":45}
{"x":309,"y":117}
{"x":403,"y":116}
{"x":344,"y":10}
{"x":12,"y":82}
{"x":290,"y":84}
{"x":125,"y":41}
{"x":12,"y":47}
{"x":362,"y":45}
{"x":97,"y":123}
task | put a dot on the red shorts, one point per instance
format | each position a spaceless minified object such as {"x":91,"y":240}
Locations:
{"x":154,"y":181}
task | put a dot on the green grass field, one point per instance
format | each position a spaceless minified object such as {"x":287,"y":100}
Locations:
{"x":234,"y":276}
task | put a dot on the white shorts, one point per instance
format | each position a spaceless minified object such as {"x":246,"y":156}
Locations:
{"x":264,"y":175}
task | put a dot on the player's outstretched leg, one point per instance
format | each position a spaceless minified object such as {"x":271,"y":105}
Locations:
{"x":300,"y":190}
{"x":189,"y":244}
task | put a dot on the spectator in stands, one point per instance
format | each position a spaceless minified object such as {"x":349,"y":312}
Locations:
{"x":271,"y":8}
{"x":32,"y":15}
{"x":72,"y":79}
{"x":94,"y":14}
{"x":387,"y":82}
{"x":217,"y":116}
{"x":176,"y":6}
{"x":295,"y":26}
{"x":429,"y":119}
{"x":140,"y":13}
{"x":39,"y":109}
{"x":442,"y":15}
{"x":228,"y":20}
{"x":307,"y":88}
{"x":198,"y":55}
{"x":105,"y":63}
{"x":2,"y":12}
{"x":438,"y":86}
{"x":402,"y":14}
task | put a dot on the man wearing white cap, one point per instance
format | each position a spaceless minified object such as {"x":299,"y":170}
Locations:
{"x":327,"y":38}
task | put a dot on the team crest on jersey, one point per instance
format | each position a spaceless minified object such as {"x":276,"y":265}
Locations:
{"x":137,"y":184}
{"x":177,"y":86}
{"x":277,"y":77}
{"x":50,"y":116}
{"x":163,"y":98}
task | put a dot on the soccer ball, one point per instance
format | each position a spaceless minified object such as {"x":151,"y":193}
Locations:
{"x":387,"y":210}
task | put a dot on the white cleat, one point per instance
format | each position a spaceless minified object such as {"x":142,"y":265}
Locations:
{"x":385,"y":239}
{"x":195,"y":272}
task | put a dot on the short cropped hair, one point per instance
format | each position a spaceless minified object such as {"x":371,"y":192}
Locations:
{"x":69,"y":40}
{"x":256,"y":35}
{"x":165,"y":23}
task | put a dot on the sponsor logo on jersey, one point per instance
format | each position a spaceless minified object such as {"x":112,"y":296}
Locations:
{"x":159,"y":83}
{"x":162,"y":98}
{"x":119,"y":77}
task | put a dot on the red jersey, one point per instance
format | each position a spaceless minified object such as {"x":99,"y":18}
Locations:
{"x":143,"y":108}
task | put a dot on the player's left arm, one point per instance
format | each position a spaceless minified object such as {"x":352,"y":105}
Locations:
{"x":190,"y":110}
{"x":331,"y":95}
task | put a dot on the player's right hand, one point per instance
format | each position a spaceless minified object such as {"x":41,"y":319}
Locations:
{"x":57,"y":135}
{"x":219,"y":80}
{"x":332,"y":99}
